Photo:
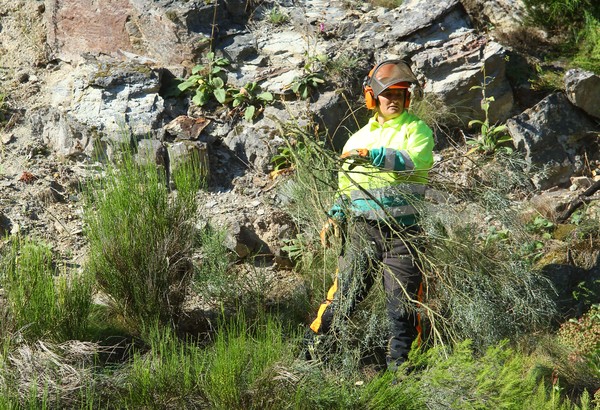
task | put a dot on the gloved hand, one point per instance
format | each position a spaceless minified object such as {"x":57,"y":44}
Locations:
{"x":360,"y":153}
{"x":330,"y":227}
{"x":356,"y":156}
{"x":336,"y":211}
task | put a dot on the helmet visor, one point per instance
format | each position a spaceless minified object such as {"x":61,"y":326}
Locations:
{"x":391,"y":73}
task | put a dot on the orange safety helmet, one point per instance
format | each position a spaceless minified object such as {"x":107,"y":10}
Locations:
{"x":385,"y":75}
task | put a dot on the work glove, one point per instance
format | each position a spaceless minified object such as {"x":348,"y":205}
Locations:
{"x":357,"y":156}
{"x":337,"y":211}
{"x":331,"y":227}
{"x":359,"y":153}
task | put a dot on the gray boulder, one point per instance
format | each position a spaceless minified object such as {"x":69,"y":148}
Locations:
{"x":583,"y":90}
{"x":100,"y":106}
{"x":553,"y":134}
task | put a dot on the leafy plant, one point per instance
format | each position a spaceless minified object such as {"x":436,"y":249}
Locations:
{"x":491,"y":137}
{"x":542,"y":226}
{"x":251,"y":100}
{"x":303,"y":85}
{"x":207,"y":80}
{"x":277,"y":17}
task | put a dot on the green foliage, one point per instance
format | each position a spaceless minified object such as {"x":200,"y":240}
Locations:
{"x":310,"y":80}
{"x":491,"y":137}
{"x":141,"y":239}
{"x":560,"y":14}
{"x":251,"y":100}
{"x":207,"y":80}
{"x":576,"y":22}
{"x":541,"y":226}
{"x":241,"y":373}
{"x":41,"y":301}
{"x":547,"y":80}
{"x":167,"y":374}
{"x":583,"y":337}
{"x":304,"y":85}
{"x":494,"y":380}
{"x":214,"y":277}
{"x":277,"y":17}
{"x":478,"y":288}
{"x":588,"y":39}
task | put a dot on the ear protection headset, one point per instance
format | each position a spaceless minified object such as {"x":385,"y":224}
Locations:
{"x":405,"y":79}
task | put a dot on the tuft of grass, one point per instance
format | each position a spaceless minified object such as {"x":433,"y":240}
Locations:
{"x":141,"y":240}
{"x":168,"y":374}
{"x":277,"y":17}
{"x":42,"y":302}
{"x":243,"y":367}
{"x":213,"y":276}
{"x":588,"y":55}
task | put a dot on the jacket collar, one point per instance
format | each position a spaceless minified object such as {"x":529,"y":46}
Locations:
{"x":394,"y":122}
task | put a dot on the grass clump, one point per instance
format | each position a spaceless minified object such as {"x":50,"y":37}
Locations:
{"x":42,"y":302}
{"x":576,"y":22}
{"x":141,"y":239}
{"x":243,"y":368}
{"x":167,"y":374}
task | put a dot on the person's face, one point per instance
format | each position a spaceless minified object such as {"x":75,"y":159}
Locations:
{"x":391,"y":103}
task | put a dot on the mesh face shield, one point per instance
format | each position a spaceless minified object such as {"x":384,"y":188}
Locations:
{"x":389,"y":73}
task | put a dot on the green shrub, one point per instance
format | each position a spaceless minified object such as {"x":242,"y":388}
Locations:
{"x":480,"y":283}
{"x":560,"y":14}
{"x":576,"y":22}
{"x":476,"y":291}
{"x":141,"y":240}
{"x":588,"y":55}
{"x":41,"y":301}
{"x":309,"y":194}
{"x":583,"y":337}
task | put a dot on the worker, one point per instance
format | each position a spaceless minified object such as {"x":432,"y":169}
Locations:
{"x":383,"y":176}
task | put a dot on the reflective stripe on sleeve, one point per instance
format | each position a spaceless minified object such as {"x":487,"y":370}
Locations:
{"x":396,"y":190}
{"x":395,"y":212}
{"x":408,"y":163}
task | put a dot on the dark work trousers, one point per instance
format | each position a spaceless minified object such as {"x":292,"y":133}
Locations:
{"x":369,"y":246}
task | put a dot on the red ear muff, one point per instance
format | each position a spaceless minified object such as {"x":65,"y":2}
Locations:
{"x":370,"y":100}
{"x":407,"y":100}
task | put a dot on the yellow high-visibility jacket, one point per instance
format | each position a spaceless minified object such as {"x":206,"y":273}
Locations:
{"x":387,"y":185}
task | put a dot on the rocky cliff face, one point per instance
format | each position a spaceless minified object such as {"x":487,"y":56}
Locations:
{"x":81,"y":77}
